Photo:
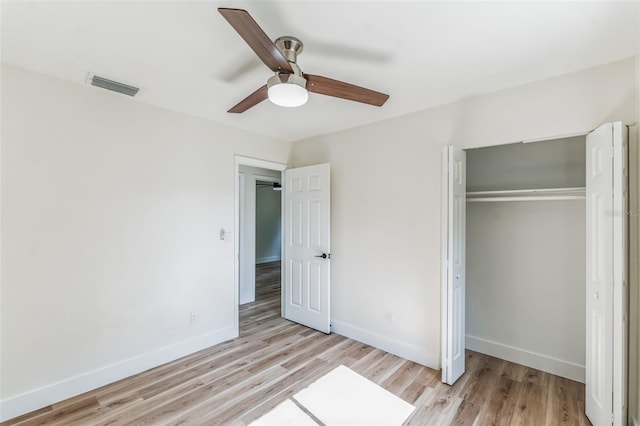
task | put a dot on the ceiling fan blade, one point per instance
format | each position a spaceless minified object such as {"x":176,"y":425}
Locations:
{"x":261,"y":44}
{"x":340,"y":89}
{"x":250,"y":101}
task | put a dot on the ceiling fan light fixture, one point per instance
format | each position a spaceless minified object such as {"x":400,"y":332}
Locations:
{"x":287,"y":90}
{"x":288,"y":87}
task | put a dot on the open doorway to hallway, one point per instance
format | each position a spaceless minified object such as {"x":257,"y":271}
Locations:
{"x":260,"y":247}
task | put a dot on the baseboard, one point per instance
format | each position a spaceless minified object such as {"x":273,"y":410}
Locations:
{"x":267,"y":259}
{"x":247,"y":299}
{"x":396,"y":347}
{"x":59,"y":391}
{"x":541,"y":362}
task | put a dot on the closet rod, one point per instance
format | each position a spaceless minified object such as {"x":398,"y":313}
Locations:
{"x":579,"y":190}
{"x":525,"y":198}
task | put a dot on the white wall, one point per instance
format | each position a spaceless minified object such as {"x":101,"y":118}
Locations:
{"x":268,"y":224}
{"x":557,"y":163}
{"x":526,"y":283}
{"x":386,"y":195}
{"x":111,"y":211}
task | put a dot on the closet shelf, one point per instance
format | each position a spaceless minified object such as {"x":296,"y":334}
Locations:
{"x":546,"y":194}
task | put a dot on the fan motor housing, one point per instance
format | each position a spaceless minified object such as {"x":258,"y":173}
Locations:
{"x":290,"y":47}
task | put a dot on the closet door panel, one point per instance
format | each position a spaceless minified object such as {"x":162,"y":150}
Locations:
{"x":454,"y":204}
{"x":606,"y":278}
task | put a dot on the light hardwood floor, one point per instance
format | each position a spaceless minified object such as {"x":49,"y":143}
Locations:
{"x":237,"y":381}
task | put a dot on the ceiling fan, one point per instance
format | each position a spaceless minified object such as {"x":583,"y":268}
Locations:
{"x":289,"y":86}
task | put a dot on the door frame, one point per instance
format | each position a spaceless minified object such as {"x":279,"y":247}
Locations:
{"x":444,"y":322}
{"x":444,"y":330}
{"x":240,"y":160}
{"x":621,"y":221}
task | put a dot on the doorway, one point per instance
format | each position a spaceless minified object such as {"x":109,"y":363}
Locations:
{"x":305,"y":241}
{"x":606,"y":287}
{"x":258,"y":220}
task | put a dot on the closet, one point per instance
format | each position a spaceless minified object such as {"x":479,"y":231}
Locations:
{"x":525,"y":254}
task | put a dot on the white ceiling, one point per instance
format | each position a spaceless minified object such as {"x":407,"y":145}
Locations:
{"x":187,"y":58}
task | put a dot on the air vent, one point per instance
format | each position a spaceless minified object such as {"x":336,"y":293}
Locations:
{"x":114,"y":86}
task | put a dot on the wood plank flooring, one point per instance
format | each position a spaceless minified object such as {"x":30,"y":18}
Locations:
{"x":238,"y":381}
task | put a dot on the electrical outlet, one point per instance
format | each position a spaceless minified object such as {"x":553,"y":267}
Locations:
{"x":193,"y":317}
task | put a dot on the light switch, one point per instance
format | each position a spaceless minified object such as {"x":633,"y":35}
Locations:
{"x":225,"y":235}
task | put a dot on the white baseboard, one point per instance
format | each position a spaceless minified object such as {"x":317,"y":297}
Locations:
{"x":247,"y":299}
{"x":545,"y":363}
{"x":267,"y":259}
{"x":59,"y":391}
{"x":396,"y":347}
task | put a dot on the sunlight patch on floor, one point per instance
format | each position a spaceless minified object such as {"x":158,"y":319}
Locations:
{"x":341,"y":397}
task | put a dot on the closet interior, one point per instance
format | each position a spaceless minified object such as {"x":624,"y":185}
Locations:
{"x":525,"y":248}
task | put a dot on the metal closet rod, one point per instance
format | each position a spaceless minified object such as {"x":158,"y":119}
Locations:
{"x":542,"y":194}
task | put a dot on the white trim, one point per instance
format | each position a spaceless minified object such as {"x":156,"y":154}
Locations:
{"x":542,"y":362}
{"x":444,"y":250}
{"x":251,"y":162}
{"x":620,"y":135}
{"x":564,"y":136}
{"x":267,"y":259}
{"x":405,"y":350}
{"x":262,"y":164}
{"x":67,"y":388}
{"x":248,"y":274}
{"x":247,"y":238}
{"x":634,"y":275}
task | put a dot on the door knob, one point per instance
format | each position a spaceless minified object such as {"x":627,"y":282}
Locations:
{"x":324,"y":256}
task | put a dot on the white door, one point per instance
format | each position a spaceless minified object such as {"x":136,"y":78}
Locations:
{"x":606,"y":286}
{"x":453,"y":271}
{"x":307,"y":250}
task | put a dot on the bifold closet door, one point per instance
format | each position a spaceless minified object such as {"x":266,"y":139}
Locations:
{"x":606,"y":286}
{"x":453,"y":273}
